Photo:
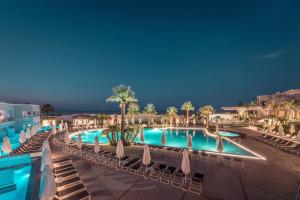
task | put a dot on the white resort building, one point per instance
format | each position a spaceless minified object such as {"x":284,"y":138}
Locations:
{"x":282,"y":105}
{"x":13,"y":117}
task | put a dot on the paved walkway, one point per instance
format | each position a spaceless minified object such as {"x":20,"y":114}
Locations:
{"x":275,"y":178}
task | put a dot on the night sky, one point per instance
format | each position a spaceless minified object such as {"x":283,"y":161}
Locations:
{"x":71,"y":53}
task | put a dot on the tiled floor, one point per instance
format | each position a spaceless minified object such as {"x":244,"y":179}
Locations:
{"x":275,"y":178}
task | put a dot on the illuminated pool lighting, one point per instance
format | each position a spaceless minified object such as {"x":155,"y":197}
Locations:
{"x":202,"y":141}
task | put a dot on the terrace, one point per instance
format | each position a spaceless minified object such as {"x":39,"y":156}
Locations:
{"x":222,"y":180}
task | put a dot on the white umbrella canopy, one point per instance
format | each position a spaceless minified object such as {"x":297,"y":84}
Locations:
{"x":46,"y":159}
{"x":298,"y":136}
{"x":187,"y":133}
{"x":146,"y":156}
{"x":142,"y":137}
{"x":292,"y":129}
{"x":269,"y":129}
{"x":6,"y":146}
{"x":79,"y":141}
{"x":220,"y":145}
{"x":66,"y":126}
{"x":217,"y":127}
{"x":67,"y":138}
{"x":140,"y":120}
{"x":185,"y":163}
{"x":28,"y":133}
{"x":177,"y":121}
{"x":22,"y":137}
{"x":47,"y":185}
{"x":97,"y":145}
{"x":33,"y":130}
{"x":280,"y":130}
{"x":163,"y":138}
{"x":46,"y":146}
{"x":189,"y":142}
{"x":61,"y":127}
{"x":120,"y":149}
{"x":54,"y":129}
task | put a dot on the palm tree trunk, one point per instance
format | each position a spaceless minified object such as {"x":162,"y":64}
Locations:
{"x":207,"y":121}
{"x":187,"y":118}
{"x":123,"y":105}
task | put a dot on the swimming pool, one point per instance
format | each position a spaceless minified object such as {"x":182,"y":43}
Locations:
{"x":15,"y":170}
{"x":21,"y":179}
{"x":176,"y":138}
{"x":229,"y":134}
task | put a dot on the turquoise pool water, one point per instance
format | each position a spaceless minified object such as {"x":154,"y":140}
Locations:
{"x":229,"y":134}
{"x":15,"y":170}
{"x":21,"y":179}
{"x":175,"y":138}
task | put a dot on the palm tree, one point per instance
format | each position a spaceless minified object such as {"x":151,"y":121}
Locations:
{"x":206,"y":111}
{"x":171,"y":113}
{"x":149,"y":109}
{"x":123,"y":95}
{"x":111,"y":134}
{"x":187,"y":106}
{"x":46,"y":108}
{"x":133,"y":109}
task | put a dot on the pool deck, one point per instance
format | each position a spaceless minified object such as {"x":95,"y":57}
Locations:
{"x":275,"y":178}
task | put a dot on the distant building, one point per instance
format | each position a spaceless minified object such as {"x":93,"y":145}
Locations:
{"x":279,"y":97}
{"x":13,"y":117}
{"x":282,"y":105}
{"x":224,"y":117}
{"x":84,"y":120}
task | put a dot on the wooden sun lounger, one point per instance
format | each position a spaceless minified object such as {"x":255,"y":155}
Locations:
{"x":155,"y":173}
{"x":177,"y":180}
{"x":65,"y":170}
{"x":196,"y":183}
{"x":68,"y":183}
{"x":165,"y":176}
{"x":62,"y":162}
{"x":130,"y":162}
{"x":83,"y":195}
{"x":70,"y":191}
{"x":67,"y":175}
{"x":63,"y":167}
{"x":134,"y":168}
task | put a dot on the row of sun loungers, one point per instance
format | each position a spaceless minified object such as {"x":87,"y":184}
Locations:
{"x":69,"y":184}
{"x":84,"y":128}
{"x":155,"y":171}
{"x":197,"y":155}
{"x":281,"y":143}
{"x":32,"y":145}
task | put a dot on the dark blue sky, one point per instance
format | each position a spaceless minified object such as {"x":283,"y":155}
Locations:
{"x":71,"y":53}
